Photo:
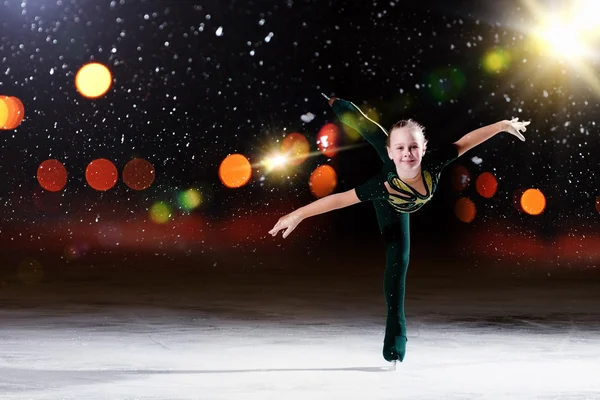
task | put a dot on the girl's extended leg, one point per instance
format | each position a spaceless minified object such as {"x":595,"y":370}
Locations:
{"x":396,"y":236}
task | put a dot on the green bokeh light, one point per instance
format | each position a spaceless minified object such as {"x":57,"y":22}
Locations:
{"x":189,"y":199}
{"x":446,"y":83}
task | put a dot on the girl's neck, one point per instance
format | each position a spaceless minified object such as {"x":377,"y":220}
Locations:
{"x":409,"y":179}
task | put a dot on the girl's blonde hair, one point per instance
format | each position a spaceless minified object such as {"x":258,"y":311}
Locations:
{"x":410,"y":125}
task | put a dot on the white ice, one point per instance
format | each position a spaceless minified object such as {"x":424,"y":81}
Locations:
{"x":313,"y":342}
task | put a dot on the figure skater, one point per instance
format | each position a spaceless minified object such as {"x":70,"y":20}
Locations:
{"x":407,"y":180}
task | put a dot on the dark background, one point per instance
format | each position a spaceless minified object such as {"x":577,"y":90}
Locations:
{"x":184,"y":106}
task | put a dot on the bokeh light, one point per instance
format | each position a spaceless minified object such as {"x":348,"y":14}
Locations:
{"x":486,"y":185}
{"x":138,"y":174}
{"x":351,"y":119}
{"x":30,"y":271}
{"x":328,"y":140}
{"x":160,"y":212}
{"x":101,"y":174}
{"x":323,"y":181}
{"x":446,"y":83}
{"x":533,"y":201}
{"x":93,"y":80}
{"x":52,"y":175}
{"x":460,"y":178}
{"x":189,"y":199}
{"x":496,"y":60}
{"x":296,"y":148}
{"x":598,"y":204}
{"x":235,"y":171}
{"x":12,"y":112}
{"x":465,"y":210}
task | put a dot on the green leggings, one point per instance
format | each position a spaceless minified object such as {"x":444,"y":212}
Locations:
{"x":394,"y":228}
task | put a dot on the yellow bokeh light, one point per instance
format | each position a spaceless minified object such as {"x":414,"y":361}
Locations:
{"x":160,"y":213}
{"x":496,"y":60}
{"x":93,"y":80}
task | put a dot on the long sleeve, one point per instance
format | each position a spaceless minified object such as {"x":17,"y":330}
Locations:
{"x":370,"y":130}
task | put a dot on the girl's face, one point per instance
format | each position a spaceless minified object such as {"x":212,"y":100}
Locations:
{"x":406,"y":150}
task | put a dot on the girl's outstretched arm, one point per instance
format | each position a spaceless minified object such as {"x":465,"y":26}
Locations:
{"x":332,"y":202}
{"x":478,"y":136}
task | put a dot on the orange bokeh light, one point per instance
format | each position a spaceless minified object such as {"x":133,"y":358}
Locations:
{"x":465,"y":210}
{"x":598,"y":204}
{"x":296,"y":148}
{"x":138,"y":174}
{"x":235,"y":171}
{"x":533,"y":201}
{"x":93,"y":80}
{"x":327,"y":140}
{"x":323,"y":181}
{"x":460,"y":178}
{"x":52,"y":175}
{"x":486,"y":185}
{"x":12,"y":112}
{"x":101,"y":174}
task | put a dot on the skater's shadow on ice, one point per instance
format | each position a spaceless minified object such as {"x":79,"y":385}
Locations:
{"x":16,"y":379}
{"x":238,"y":371}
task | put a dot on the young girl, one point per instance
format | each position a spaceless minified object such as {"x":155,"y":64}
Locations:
{"x":408,"y":179}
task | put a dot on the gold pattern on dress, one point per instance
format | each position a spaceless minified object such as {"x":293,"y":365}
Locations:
{"x":401,"y":185}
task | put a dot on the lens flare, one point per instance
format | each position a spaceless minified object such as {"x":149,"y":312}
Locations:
{"x":323,"y":181}
{"x":486,"y":185}
{"x":275,"y":162}
{"x":465,"y":210}
{"x":93,"y":80}
{"x":235,"y":171}
{"x":533,"y":201}
{"x":101,"y":174}
{"x":52,"y":175}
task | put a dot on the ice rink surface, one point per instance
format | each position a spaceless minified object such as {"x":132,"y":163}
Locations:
{"x":289,"y":335}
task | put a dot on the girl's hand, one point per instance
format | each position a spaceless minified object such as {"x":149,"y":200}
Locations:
{"x":514,"y":127}
{"x":288,"y":222}
{"x":330,"y":100}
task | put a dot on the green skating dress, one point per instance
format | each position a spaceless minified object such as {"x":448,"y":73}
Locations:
{"x":392,"y":210}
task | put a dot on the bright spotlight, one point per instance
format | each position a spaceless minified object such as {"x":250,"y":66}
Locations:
{"x":563,"y":39}
{"x":276,"y":161}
